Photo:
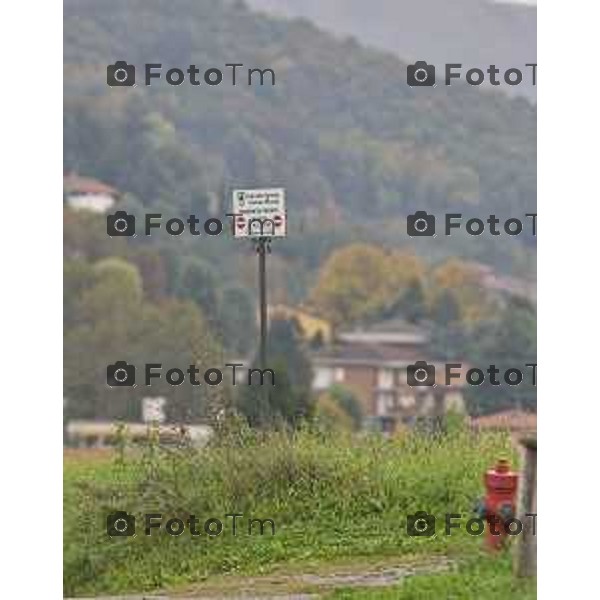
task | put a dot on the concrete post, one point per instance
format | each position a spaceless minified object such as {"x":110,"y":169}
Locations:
{"x":525,"y":563}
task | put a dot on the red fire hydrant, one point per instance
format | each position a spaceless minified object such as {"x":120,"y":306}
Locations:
{"x":499,"y":504}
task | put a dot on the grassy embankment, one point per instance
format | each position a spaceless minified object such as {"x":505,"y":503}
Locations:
{"x":332,"y":497}
{"x":481,"y":578}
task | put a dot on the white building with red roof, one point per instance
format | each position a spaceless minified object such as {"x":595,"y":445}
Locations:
{"x":86,"y":193}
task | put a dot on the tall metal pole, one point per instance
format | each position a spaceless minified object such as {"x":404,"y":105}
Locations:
{"x":262,"y":249}
{"x":262,"y":287}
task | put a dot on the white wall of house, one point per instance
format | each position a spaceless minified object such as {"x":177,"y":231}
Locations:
{"x":385,"y":379}
{"x":384,"y":404}
{"x":99,"y":203}
{"x":325,"y":377}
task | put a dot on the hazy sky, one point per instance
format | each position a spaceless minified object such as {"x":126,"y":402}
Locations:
{"x":532,"y":2}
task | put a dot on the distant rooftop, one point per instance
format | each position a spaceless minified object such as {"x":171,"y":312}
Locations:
{"x":394,"y":326}
{"x":390,"y":331}
{"x":512,"y":420}
{"x":366,"y":355}
{"x":76,"y":184}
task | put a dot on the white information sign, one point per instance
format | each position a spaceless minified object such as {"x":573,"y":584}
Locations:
{"x":259,"y":213}
{"x":153,"y":410}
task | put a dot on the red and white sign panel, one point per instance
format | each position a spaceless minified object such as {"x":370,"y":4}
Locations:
{"x":259,"y":213}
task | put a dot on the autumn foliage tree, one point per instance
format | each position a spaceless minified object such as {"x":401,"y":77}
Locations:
{"x":458,"y":290}
{"x":361,"y":280}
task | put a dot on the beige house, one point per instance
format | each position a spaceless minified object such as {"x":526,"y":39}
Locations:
{"x":373,"y":363}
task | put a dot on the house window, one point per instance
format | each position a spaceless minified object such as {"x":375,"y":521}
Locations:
{"x":338,"y":375}
{"x":402,"y":377}
{"x":406,"y":401}
{"x":385,"y":379}
{"x":385,"y":404}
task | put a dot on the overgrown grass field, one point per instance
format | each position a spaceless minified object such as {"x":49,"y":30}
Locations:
{"x":331,"y":496}
{"x":480,"y":578}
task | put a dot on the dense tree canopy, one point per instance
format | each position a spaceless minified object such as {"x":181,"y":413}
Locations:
{"x":341,"y":130}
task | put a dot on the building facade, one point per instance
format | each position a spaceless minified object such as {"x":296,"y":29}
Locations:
{"x":85,"y":193}
{"x":373,"y":363}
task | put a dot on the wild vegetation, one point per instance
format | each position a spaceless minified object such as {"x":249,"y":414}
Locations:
{"x":485,"y":578}
{"x":330,"y":497}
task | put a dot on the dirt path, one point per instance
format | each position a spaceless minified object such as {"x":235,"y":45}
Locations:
{"x":302,"y":585}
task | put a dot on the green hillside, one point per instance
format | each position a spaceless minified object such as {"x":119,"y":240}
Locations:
{"x":340,"y":129}
{"x":474,"y":32}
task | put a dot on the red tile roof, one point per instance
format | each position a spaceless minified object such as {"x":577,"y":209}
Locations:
{"x":367,"y":354}
{"x":76,"y":184}
{"x":513,"y":420}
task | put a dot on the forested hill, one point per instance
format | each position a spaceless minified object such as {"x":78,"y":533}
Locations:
{"x":340,"y":129}
{"x":473,"y":32}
